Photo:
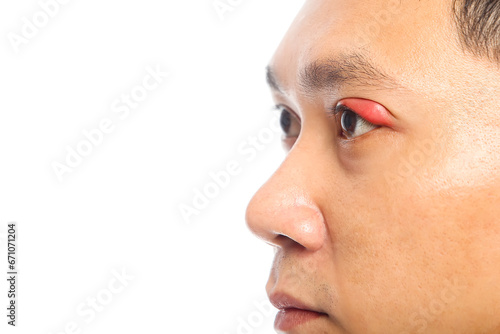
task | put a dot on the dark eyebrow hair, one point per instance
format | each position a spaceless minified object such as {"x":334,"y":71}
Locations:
{"x":271,"y":79}
{"x":335,"y":72}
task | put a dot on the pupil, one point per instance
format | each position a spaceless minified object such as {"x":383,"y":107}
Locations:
{"x":285,"y":121}
{"x":349,"y":121}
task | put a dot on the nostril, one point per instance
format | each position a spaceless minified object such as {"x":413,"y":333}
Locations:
{"x":283,"y":241}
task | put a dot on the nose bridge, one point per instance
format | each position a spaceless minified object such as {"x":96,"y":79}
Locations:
{"x":286,"y":206}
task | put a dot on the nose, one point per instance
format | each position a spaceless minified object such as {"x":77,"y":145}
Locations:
{"x":285,"y":210}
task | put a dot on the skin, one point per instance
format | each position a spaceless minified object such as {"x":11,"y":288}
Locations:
{"x":380,"y":233}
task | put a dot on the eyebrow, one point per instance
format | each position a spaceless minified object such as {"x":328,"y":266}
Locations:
{"x":335,"y":72}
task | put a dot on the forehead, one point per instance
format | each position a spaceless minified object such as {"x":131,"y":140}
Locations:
{"x":401,"y":37}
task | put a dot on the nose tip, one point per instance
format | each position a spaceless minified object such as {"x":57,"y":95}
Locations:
{"x":281,"y":214}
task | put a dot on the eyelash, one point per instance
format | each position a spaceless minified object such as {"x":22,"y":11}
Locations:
{"x":334,"y":111}
{"x":280,"y":108}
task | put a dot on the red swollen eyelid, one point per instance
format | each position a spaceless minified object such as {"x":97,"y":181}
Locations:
{"x":369,"y":110}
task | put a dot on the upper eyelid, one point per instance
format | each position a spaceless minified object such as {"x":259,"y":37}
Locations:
{"x":339,"y":108}
{"x":369,"y":110}
{"x":281,"y":106}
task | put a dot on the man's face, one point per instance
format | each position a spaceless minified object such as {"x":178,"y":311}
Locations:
{"x":384,"y":214}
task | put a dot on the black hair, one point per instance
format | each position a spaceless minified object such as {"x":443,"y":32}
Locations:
{"x":478,"y":24}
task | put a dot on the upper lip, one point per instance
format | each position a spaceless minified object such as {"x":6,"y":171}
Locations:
{"x":283,"y":301}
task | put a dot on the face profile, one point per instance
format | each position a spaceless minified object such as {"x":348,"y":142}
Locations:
{"x":384,"y":214}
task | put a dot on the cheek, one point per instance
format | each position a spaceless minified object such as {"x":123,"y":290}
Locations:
{"x":395,"y":247}
{"x":391,"y":262}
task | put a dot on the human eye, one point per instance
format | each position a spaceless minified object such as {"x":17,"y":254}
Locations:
{"x":359,"y":116}
{"x":352,"y":124}
{"x":290,"y":125}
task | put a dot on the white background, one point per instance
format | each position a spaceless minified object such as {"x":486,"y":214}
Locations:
{"x":119,"y":209}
